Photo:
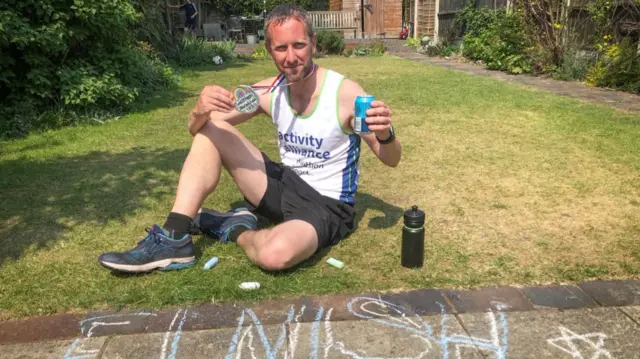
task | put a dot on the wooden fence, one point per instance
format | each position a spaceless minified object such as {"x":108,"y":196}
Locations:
{"x":578,"y":18}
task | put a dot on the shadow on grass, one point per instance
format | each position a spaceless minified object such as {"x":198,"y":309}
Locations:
{"x":40,"y":200}
{"x":391,"y":214}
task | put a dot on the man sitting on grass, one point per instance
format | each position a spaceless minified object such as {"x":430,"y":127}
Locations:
{"x":310,"y":196}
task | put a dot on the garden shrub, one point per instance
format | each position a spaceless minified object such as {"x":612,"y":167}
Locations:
{"x":80,"y":55}
{"x":329,"y":42}
{"x":191,"y":51}
{"x":260,"y":52}
{"x":536,"y":37}
{"x":450,"y":50}
{"x":618,"y":66}
{"x":412,"y":42}
{"x":362,"y":50}
{"x":377,"y":48}
{"x":496,"y":37}
{"x":575,"y":65}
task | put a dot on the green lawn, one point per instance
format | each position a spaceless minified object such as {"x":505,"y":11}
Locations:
{"x":519,"y":186}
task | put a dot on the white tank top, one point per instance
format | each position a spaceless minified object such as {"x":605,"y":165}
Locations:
{"x":315,"y":146}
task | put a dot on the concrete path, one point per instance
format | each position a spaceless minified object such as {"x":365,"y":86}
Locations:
{"x":599,"y":319}
{"x":582,"y":333}
{"x":618,"y":99}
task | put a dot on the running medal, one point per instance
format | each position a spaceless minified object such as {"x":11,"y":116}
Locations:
{"x":247,"y":100}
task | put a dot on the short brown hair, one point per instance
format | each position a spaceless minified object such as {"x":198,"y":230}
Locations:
{"x":284,"y":12}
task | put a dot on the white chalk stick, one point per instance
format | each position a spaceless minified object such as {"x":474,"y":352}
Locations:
{"x":249,"y":285}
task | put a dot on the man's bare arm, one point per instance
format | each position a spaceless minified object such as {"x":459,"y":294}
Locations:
{"x":378,"y":120}
{"x":217,"y":104}
{"x":234,"y":117}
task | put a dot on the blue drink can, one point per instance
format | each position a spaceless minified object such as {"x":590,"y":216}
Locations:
{"x":363,"y":103}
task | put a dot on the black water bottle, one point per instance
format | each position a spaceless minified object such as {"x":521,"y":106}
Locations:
{"x":413,"y":238}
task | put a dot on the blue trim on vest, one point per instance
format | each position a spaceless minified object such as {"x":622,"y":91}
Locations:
{"x":351,"y":173}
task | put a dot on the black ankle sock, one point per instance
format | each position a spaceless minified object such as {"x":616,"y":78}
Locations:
{"x":235,"y":232}
{"x":178,"y":223}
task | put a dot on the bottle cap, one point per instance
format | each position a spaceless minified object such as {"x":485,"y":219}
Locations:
{"x":414,"y":217}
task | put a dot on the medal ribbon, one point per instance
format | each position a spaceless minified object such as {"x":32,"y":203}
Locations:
{"x":247,"y":100}
{"x":276,"y":82}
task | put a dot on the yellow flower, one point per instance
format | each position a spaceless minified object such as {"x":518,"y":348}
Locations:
{"x":557,"y":26}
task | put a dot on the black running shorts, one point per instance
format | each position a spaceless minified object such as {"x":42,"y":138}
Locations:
{"x":289,"y":197}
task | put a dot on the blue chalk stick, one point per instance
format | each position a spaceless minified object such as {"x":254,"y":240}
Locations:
{"x":211,"y":263}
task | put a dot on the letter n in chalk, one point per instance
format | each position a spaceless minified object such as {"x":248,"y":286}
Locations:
{"x":271,"y":349}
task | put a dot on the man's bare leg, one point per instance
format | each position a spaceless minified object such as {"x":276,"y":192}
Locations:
{"x":216,"y":145}
{"x":281,"y":247}
{"x":220,"y":145}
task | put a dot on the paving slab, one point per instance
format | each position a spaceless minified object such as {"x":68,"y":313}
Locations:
{"x":250,"y":341}
{"x":613,"y":292}
{"x":39,"y":329}
{"x":106,"y":323}
{"x":426,"y":323}
{"x":490,"y":298}
{"x":382,"y":337}
{"x":558,"y":296}
{"x":633,"y":312}
{"x":137,"y":346}
{"x":581,"y":333}
{"x":85,"y":348}
{"x":211,"y":343}
{"x":584,"y":333}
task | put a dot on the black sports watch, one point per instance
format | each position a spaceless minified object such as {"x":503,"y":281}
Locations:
{"x":391,"y":138}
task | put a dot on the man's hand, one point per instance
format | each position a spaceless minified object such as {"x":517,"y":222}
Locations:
{"x":213,"y":98}
{"x":379,"y":119}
